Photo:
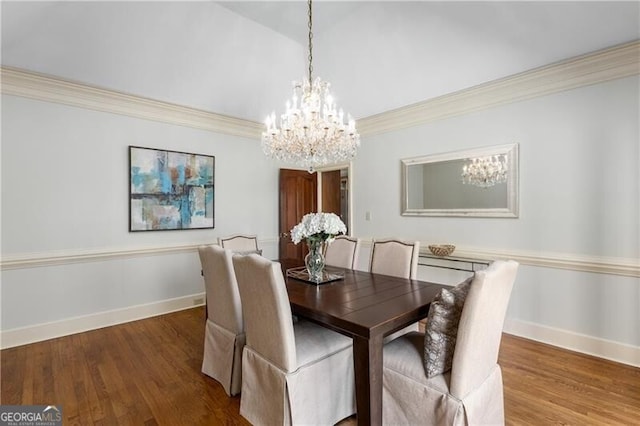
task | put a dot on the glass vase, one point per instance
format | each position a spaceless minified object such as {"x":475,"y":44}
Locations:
{"x":314,"y":260}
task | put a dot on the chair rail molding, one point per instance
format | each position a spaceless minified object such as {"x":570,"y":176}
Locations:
{"x":54,"y":258}
{"x":629,"y":267}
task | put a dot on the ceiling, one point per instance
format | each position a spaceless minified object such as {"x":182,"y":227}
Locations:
{"x":239,"y":58}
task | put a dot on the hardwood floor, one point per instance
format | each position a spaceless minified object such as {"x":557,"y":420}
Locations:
{"x":148,"y":373}
{"x":546,"y":385}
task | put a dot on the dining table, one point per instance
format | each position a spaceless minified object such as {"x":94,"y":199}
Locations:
{"x":366,"y":307}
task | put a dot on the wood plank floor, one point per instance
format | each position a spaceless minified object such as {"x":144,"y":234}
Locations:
{"x":148,"y":373}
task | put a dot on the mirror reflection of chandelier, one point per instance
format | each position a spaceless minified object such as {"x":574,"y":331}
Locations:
{"x":485,"y":171}
{"x":312,"y":132}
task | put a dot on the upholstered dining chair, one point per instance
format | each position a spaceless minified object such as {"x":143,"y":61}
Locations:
{"x":342,"y":252}
{"x":419,"y":388}
{"x":239,"y":243}
{"x":292,"y":373}
{"x":398,"y":258}
{"x":224,"y":329}
{"x":395,"y":257}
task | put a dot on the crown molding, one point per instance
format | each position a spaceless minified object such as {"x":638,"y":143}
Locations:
{"x":41,"y":87}
{"x":604,"y":65}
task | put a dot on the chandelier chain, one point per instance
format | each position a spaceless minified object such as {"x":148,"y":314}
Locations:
{"x":310,"y":42}
{"x":313,"y":131}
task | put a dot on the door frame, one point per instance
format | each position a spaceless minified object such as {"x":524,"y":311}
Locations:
{"x":349,"y":167}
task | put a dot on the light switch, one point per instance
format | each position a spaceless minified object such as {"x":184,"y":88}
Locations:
{"x":367,"y":216}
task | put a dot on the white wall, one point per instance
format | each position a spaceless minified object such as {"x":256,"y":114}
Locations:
{"x":65,"y":195}
{"x":579,"y":196}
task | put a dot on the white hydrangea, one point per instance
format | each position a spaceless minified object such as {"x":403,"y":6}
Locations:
{"x":319,"y":227}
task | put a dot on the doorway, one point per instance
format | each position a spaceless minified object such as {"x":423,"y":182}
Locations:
{"x":327,"y":190}
{"x":298,"y":196}
{"x":334,"y":194}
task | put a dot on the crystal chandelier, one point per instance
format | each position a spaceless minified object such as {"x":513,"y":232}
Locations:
{"x":485,"y":171}
{"x":312,"y":132}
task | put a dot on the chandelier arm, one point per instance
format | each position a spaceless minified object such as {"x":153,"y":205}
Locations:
{"x":310,"y":43}
{"x":312,"y":131}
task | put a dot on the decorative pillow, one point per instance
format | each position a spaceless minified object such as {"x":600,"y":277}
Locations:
{"x":442,"y":328}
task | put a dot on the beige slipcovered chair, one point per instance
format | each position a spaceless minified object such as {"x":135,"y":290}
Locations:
{"x":292,"y":373}
{"x":397,"y":258}
{"x":239,"y":243}
{"x":342,"y":252}
{"x":224,"y":332}
{"x":471,"y":392}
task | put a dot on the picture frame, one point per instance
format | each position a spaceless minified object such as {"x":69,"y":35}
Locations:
{"x":170,"y":190}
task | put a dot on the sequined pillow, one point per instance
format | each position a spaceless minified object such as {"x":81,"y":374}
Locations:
{"x":442,"y":328}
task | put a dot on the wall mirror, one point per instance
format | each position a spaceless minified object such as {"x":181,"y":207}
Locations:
{"x":480,"y":182}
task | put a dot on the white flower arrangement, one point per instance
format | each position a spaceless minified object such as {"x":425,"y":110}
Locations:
{"x":318,"y":227}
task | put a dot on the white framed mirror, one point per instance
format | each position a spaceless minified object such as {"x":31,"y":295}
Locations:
{"x":481,"y":182}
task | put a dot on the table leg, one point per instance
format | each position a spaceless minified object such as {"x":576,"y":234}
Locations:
{"x":367,"y":361}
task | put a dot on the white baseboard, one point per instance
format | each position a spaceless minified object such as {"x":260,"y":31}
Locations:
{"x":51,"y":330}
{"x":607,"y":349}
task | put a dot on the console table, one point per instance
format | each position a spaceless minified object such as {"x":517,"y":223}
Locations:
{"x":452,"y":262}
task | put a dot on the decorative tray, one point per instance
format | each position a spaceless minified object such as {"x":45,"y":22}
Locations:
{"x":301,"y":274}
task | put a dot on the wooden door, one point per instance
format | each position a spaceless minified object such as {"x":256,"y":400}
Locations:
{"x":331,"y":193}
{"x":298,"y":196}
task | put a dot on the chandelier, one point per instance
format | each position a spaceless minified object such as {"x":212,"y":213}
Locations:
{"x":485,"y":171}
{"x":313,"y":131}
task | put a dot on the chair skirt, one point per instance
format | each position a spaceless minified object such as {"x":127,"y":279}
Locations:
{"x":271,"y":396}
{"x":222,"y":358}
{"x":409,"y":397}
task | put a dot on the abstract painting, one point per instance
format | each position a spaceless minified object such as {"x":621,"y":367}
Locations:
{"x":170,"y":190}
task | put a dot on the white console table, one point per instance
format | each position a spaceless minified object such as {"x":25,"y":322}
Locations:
{"x":456,"y":263}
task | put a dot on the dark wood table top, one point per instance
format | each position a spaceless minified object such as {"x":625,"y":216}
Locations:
{"x":366,"y":307}
{"x":363,"y":304}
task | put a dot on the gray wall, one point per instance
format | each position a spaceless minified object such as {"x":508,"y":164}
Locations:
{"x":579,"y":197}
{"x":64,"y":193}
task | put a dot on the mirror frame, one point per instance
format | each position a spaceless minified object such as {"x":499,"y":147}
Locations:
{"x":510,"y":150}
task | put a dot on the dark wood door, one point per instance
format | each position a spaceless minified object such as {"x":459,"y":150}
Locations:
{"x":331,"y":193}
{"x":298,"y":196}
